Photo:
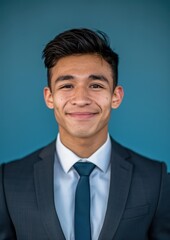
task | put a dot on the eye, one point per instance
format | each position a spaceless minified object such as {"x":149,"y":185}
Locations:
{"x":66,"y":86}
{"x":96,"y":86}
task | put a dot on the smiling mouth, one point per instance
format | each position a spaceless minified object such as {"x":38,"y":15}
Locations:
{"x":82,"y":115}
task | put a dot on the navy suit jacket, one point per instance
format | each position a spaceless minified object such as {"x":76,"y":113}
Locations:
{"x":138,"y":206}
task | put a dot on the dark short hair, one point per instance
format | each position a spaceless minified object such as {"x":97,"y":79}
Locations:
{"x":80,"y":41}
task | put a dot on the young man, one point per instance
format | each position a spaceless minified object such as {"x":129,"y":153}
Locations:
{"x":45,"y":196}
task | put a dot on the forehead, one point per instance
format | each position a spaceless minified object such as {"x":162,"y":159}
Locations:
{"x":82,"y":65}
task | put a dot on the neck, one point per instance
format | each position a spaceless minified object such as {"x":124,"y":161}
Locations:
{"x":83,"y":147}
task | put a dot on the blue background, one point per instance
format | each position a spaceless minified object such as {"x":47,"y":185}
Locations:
{"x":139,"y":31}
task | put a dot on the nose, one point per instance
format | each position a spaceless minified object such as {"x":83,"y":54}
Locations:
{"x":81,"y":97}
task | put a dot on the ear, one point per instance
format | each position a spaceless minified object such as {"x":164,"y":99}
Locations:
{"x":48,"y":97}
{"x":117,"y":97}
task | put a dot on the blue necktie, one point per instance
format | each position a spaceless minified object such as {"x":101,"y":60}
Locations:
{"x":82,"y":201}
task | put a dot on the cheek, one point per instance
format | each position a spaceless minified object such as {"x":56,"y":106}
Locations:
{"x":103,"y":99}
{"x":58,"y":100}
{"x":107,"y":99}
{"x":59,"y":104}
{"x":107,"y":106}
{"x":105,"y":102}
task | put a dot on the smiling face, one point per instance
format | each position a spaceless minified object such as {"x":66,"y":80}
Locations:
{"x":82,"y":97}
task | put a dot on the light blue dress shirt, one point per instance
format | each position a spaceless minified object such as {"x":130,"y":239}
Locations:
{"x":65,"y":182}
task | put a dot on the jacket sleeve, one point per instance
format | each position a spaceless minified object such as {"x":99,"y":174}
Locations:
{"x":7,"y":231}
{"x":160,"y":229}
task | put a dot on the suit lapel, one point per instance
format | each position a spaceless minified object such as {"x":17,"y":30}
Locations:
{"x":43,"y":175}
{"x":121,"y":174}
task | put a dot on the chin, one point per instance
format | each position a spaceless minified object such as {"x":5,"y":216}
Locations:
{"x":82,"y":134}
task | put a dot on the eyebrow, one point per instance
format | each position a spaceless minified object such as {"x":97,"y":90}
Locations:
{"x":92,"y":77}
{"x":98,"y":77}
{"x":64,"y":77}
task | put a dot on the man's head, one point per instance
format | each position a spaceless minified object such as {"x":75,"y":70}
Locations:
{"x":82,"y":75}
{"x":76,"y":42}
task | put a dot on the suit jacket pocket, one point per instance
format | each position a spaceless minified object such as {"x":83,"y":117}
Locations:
{"x":136,"y":212}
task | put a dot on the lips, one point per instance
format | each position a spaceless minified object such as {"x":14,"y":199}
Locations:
{"x":82,"y":115}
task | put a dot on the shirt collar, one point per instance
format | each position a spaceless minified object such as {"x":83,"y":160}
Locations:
{"x":101,"y":158}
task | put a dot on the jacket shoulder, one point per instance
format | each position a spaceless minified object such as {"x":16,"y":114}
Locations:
{"x":138,"y":160}
{"x":26,"y":163}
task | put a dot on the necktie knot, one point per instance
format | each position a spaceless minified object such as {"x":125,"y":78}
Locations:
{"x":84,"y":168}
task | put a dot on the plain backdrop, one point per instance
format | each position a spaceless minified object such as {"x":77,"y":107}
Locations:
{"x":139,"y":32}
